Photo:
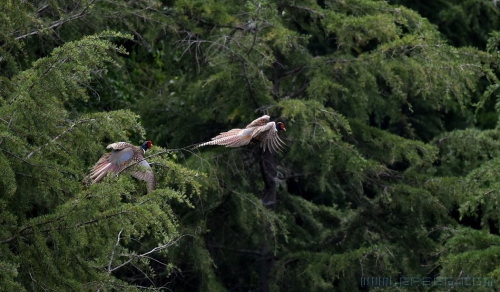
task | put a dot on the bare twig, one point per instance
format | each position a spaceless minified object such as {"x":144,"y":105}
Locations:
{"x":113,"y":251}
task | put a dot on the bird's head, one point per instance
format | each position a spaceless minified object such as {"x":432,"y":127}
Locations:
{"x":146,"y":145}
{"x":280,"y":126}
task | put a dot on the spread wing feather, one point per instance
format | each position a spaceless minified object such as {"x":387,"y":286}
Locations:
{"x":147,"y":175}
{"x":269,"y":138}
{"x":262,"y":121}
{"x":119,"y":146}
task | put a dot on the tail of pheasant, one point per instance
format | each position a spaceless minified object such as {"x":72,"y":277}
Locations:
{"x":102,"y":168}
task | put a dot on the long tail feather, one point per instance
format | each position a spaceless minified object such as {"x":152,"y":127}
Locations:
{"x":230,"y":141}
{"x":101,"y":169}
{"x":232,"y":132}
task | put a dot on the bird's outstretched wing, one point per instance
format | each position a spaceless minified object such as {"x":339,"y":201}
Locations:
{"x":146,"y":174}
{"x":269,"y":139}
{"x":114,"y":161}
{"x":262,"y":121}
{"x":119,"y":146}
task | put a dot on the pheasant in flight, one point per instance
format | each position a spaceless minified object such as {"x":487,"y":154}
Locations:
{"x":123,"y":155}
{"x":260,"y":130}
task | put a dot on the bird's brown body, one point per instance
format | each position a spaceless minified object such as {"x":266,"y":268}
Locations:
{"x":123,"y":155}
{"x":261,"y":130}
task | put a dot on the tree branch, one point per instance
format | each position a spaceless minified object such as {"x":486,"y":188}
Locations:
{"x":8,"y":126}
{"x":28,"y":227}
{"x":248,"y":251}
{"x":15,"y":156}
{"x":60,"y":228}
{"x":153,"y":155}
{"x":156,"y":249}
{"x":255,"y":30}
{"x":60,"y":135}
{"x":113,"y":251}
{"x":276,"y":79}
{"x":60,"y":22}
{"x":307,"y":9}
{"x":41,"y":76}
{"x":249,"y":84}
{"x":293,"y":71}
{"x":298,"y":92}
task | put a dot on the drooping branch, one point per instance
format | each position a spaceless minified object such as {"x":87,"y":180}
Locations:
{"x":22,"y":231}
{"x":40,"y":79}
{"x":17,"y":157}
{"x":70,"y":129}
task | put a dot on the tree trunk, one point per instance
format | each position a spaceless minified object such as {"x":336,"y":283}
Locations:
{"x":268,"y":198}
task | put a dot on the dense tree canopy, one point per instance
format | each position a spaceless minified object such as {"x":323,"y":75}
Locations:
{"x":390,"y":168}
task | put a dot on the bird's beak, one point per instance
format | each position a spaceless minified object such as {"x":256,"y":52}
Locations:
{"x":284,"y":129}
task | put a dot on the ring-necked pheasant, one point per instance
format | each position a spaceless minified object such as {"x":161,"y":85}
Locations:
{"x":123,"y":155}
{"x":260,"y":130}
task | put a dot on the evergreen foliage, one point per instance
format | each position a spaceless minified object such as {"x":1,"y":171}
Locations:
{"x":462,"y":22}
{"x":54,"y":234}
{"x":388,"y":171}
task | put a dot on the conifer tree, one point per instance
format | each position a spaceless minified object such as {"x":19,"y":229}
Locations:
{"x":366,"y":91}
{"x":384,"y":173}
{"x":55,"y":233}
{"x":462,"y":22}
